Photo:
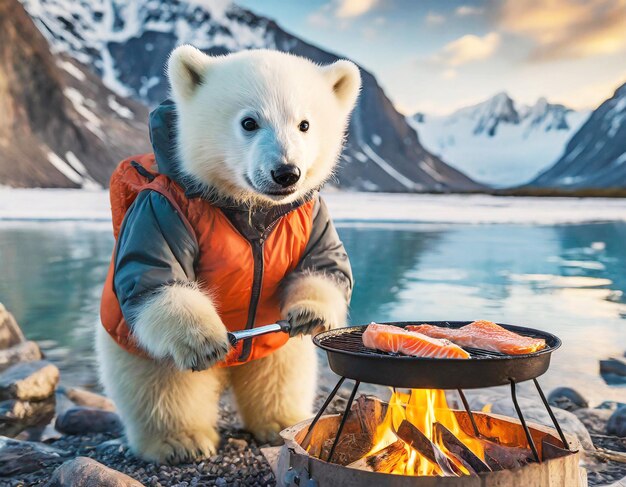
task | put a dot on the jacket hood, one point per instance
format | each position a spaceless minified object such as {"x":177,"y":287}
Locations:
{"x":163,"y":140}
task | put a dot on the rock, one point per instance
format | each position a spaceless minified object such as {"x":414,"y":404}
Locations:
{"x":567,"y":398}
{"x":10,"y":332}
{"x":29,"y":381}
{"x":21,"y":457}
{"x":89,"y":399}
{"x":612,"y":405}
{"x":617,"y":423}
{"x":613,"y":370}
{"x":595,"y":420}
{"x":81,"y":420}
{"x":22,"y":352}
{"x":16,"y":415}
{"x":86,"y":472}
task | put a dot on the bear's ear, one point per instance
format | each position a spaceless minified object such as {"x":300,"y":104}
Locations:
{"x":345,"y":80}
{"x":186,"y":69}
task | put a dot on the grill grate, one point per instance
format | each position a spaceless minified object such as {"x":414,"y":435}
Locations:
{"x":351,"y":340}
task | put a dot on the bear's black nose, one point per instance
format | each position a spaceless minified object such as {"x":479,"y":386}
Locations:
{"x":286,"y":175}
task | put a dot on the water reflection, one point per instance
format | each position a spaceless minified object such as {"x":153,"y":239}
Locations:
{"x":569,"y":280}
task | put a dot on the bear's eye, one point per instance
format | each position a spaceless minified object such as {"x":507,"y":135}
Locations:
{"x":304,"y":126}
{"x":249,"y":124}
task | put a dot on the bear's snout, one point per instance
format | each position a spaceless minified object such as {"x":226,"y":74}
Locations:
{"x":286,"y":175}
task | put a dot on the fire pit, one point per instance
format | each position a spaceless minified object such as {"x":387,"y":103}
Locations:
{"x":415,"y":438}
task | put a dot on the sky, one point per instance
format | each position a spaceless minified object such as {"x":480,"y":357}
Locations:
{"x":435,"y":56}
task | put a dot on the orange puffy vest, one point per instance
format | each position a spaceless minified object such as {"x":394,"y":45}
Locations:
{"x":225,"y":266}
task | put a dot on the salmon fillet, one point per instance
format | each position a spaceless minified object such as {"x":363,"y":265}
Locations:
{"x":394,"y":339}
{"x":485,"y":335}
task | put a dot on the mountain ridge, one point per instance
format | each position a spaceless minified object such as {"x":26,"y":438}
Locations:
{"x":499,"y":141}
{"x":52,"y":134}
{"x":127,"y":43}
{"x":595,"y":156}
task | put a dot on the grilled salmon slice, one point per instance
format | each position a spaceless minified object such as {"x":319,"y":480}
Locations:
{"x":394,"y":339}
{"x":485,"y":335}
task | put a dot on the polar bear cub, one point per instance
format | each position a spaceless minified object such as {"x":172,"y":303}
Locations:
{"x":260,"y":129}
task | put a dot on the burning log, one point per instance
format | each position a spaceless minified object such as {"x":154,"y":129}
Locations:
{"x":461,"y":452}
{"x":500,"y":457}
{"x":385,"y":461}
{"x":417,"y":440}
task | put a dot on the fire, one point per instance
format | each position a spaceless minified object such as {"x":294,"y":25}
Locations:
{"x":423,"y":408}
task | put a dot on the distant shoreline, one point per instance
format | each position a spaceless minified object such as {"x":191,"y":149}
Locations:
{"x":47,"y":205}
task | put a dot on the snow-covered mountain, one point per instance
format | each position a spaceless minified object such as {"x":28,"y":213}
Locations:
{"x":127,"y":42}
{"x":60,"y":126}
{"x":500,"y":142}
{"x":595,"y":157}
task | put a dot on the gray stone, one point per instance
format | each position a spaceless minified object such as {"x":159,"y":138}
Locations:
{"x":21,"y":457}
{"x":29,"y":381}
{"x":612,"y":405}
{"x":86,"y":472}
{"x":10,"y":332}
{"x":595,"y":420}
{"x":613,"y":370}
{"x":617,"y":423}
{"x":22,"y":352}
{"x":567,"y":398}
{"x":80,"y":420}
{"x":89,"y":399}
{"x":16,"y":415}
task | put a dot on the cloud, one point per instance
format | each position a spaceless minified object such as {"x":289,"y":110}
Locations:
{"x":567,"y":29}
{"x":339,"y":13}
{"x":467,"y":49}
{"x":465,"y":10}
{"x":354,"y":8}
{"x":449,"y":73}
{"x":434,"y":19}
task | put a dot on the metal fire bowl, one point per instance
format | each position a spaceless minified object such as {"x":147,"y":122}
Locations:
{"x":348,"y":357}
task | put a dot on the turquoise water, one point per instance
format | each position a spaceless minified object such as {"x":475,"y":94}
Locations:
{"x":566,"y":279}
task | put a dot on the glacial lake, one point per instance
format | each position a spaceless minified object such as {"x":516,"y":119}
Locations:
{"x":566,"y":279}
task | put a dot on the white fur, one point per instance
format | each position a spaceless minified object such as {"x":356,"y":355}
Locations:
{"x":181,"y":323}
{"x":278,"y":390}
{"x":169,"y":415}
{"x":214,"y":94}
{"x":169,"y":412}
{"x":314,"y":297}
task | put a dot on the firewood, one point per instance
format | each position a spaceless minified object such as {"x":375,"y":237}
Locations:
{"x":417,"y":440}
{"x":500,"y":457}
{"x":461,"y":452}
{"x":385,"y":460}
{"x":371,"y":413}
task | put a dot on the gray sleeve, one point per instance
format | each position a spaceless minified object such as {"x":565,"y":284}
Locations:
{"x":154,"y":248}
{"x":325,"y":252}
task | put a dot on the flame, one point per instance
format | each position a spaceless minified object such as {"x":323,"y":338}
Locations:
{"x":423,"y":408}
{"x":487,"y":408}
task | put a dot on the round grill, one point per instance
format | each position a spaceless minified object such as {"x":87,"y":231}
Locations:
{"x":348,"y":357}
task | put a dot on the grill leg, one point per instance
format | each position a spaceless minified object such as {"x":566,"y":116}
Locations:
{"x":551,"y":413}
{"x":343,"y":420}
{"x":529,"y":437}
{"x":309,"y":431}
{"x":469,"y":412}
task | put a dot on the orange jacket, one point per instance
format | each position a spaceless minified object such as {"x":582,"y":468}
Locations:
{"x":244,"y":291}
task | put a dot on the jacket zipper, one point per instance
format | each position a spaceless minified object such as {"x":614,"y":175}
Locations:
{"x":257,"y":283}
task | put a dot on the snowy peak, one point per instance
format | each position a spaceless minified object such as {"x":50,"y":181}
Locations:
{"x":487,"y":115}
{"x":500,"y":109}
{"x":94,"y":32}
{"x":499,"y":141}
